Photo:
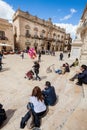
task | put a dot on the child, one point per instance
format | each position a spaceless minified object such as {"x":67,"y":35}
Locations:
{"x":29,"y":74}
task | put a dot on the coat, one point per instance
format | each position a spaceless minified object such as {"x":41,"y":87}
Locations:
{"x":49,"y":95}
{"x":83,"y":76}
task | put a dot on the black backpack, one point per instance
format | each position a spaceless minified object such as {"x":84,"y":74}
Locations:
{"x":2,"y":115}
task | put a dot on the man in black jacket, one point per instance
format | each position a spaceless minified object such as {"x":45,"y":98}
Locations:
{"x":36,"y":70}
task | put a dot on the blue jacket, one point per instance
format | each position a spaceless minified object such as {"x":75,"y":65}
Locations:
{"x":49,"y":95}
{"x":83,"y":76}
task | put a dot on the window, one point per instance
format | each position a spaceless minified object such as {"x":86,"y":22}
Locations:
{"x":62,"y":37}
{"x":2,"y":35}
{"x":27,"y":33}
{"x":54,"y":36}
{"x":42,"y":33}
{"x":58,"y":35}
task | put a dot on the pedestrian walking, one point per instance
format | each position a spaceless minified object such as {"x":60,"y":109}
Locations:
{"x":61,"y":56}
{"x":36,"y":70}
{"x":39,"y":56}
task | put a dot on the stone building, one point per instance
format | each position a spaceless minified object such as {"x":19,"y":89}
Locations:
{"x":79,"y":46}
{"x":31,"y":31}
{"x":6,"y":35}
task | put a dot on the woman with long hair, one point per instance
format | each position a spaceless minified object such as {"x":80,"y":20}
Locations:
{"x":38,"y":106}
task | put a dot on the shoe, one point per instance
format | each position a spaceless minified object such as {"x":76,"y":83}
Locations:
{"x":71,"y":79}
{"x":78,"y":84}
{"x":36,"y":128}
{"x":39,"y":79}
{"x":32,"y":126}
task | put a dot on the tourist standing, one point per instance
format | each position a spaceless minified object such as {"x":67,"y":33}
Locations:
{"x":61,"y":56}
{"x":68,"y":55}
{"x":22,"y":54}
{"x":39,"y":56}
{"x":36,"y":70}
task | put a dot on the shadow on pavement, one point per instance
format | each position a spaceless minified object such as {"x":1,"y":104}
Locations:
{"x":9,"y":113}
{"x":5,"y":69}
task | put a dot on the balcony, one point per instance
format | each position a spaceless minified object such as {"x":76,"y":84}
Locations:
{"x":27,"y":35}
{"x":36,"y":36}
{"x":41,"y":36}
{"x":3,"y":38}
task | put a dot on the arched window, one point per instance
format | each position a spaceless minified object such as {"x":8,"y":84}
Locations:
{"x":27,"y":30}
{"x":35,"y":32}
{"x":54,"y":36}
{"x":42,"y":33}
{"x":2,"y":35}
{"x":27,"y":33}
{"x":36,"y":29}
{"x":27,"y":27}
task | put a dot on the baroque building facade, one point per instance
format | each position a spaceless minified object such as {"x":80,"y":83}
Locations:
{"x":6,"y":35}
{"x":79,"y":46}
{"x":31,"y":31}
{"x":68,"y":41}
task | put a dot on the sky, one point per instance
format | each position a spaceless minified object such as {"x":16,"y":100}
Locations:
{"x":64,"y":13}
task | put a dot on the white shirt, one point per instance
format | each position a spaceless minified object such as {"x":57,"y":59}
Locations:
{"x":39,"y":105}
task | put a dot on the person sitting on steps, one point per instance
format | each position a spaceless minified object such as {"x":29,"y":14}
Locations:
{"x":75,"y":63}
{"x":49,"y":94}
{"x":81,"y":76}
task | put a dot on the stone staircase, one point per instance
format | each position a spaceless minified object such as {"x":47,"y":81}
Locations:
{"x":69,"y":96}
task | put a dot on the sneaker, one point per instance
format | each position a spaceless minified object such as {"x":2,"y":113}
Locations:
{"x":78,"y":84}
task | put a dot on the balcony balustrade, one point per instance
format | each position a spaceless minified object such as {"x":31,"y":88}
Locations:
{"x":27,"y":35}
{"x":3,"y":38}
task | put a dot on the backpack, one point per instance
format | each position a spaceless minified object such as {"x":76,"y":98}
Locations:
{"x":2,"y":115}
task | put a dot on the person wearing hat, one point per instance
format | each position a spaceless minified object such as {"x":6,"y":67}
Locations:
{"x":49,"y":94}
